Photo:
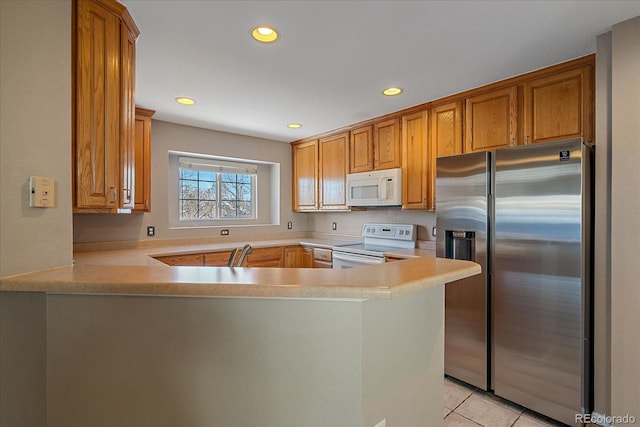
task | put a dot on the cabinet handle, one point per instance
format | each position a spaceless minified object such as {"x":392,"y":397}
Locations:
{"x":114,"y":195}
{"x":527,"y":140}
{"x":127,"y":195}
{"x":513,"y":142}
{"x":146,"y":203}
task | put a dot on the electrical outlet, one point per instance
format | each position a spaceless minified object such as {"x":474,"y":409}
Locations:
{"x":224,"y":232}
{"x":334,"y":226}
{"x":151,"y":231}
{"x":433,"y":231}
{"x":289,"y":225}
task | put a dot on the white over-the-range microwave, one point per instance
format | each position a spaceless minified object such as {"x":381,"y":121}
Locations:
{"x":375,"y":188}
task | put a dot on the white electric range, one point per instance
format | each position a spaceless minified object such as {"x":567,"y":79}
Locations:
{"x":378,"y":239}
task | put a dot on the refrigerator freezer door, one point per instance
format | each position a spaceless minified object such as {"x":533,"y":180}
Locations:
{"x":539,"y":287}
{"x":462,"y":231}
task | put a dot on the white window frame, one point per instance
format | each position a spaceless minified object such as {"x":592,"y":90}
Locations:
{"x":267,"y":196}
{"x":219,"y":167}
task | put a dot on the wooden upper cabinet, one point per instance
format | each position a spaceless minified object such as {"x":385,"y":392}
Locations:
{"x":446,"y":139}
{"x":491,"y":120}
{"x":334,"y":166}
{"x":305,"y":176}
{"x":142,"y":193}
{"x":559,"y":106}
{"x":387,"y":147}
{"x":415,"y":162}
{"x":127,"y":125}
{"x":103,"y":114}
{"x":361,"y":150}
{"x":446,"y":129}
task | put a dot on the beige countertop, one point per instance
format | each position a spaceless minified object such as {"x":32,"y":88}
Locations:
{"x":135,"y":272}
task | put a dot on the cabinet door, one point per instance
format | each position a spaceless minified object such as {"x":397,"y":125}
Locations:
{"x":178,"y":260}
{"x":97,"y":106}
{"x":217,"y":259}
{"x":361,"y":150}
{"x":491,"y":120}
{"x":305,"y":176}
{"x":307,"y":257}
{"x":293,"y":257}
{"x":415,"y":155}
{"x":142,"y":192}
{"x":446,"y":138}
{"x":334,"y":165}
{"x":558,"y":107}
{"x":387,"y":150}
{"x":127,"y":121}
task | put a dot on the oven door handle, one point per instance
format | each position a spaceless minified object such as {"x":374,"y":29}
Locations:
{"x":357,"y":259}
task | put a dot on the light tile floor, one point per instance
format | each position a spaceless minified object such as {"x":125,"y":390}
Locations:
{"x":467,"y":406}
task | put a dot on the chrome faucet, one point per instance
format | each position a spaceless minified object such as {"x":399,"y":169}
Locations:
{"x":232,"y":257}
{"x":246,"y":250}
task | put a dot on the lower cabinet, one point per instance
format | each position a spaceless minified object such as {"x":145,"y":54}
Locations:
{"x":264,"y":257}
{"x":186,"y":259}
{"x":307,"y":257}
{"x":217,"y":259}
{"x":294,"y":256}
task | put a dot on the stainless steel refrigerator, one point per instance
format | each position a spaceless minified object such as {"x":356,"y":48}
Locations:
{"x":525,"y":214}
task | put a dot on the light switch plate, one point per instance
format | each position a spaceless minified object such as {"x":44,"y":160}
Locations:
{"x":41,"y":192}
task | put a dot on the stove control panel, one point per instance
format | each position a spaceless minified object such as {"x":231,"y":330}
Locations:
{"x":407,"y":232}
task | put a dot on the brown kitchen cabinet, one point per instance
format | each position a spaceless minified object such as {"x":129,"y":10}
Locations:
{"x":103,"y":114}
{"x":361,"y":149}
{"x":216,"y":259}
{"x":491,"y":120}
{"x":333,"y":168}
{"x":446,"y":139}
{"x":142,"y":192}
{"x":307,"y":257}
{"x":292,"y":256}
{"x":264,"y":257}
{"x":305,"y":176}
{"x":559,"y":106}
{"x":182,"y":260}
{"x":415,"y":161}
{"x":387,"y":147}
{"x":376,"y":146}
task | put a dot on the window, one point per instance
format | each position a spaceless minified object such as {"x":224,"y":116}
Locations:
{"x":214,"y":189}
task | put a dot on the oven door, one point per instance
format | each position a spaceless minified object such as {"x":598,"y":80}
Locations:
{"x":344,"y":260}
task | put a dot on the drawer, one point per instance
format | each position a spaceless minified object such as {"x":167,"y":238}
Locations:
{"x":322,"y":254}
{"x":187,"y":259}
{"x":217,"y":259}
{"x":263,"y":254}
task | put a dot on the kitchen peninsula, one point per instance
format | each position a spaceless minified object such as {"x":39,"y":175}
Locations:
{"x":200,"y":346}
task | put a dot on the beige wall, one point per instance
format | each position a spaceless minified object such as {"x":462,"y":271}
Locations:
{"x":602,"y":232}
{"x":169,"y":136}
{"x":165,"y":361}
{"x":625,"y":219}
{"x":35,"y":133}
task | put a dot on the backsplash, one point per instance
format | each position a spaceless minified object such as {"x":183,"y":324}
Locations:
{"x":350,"y":223}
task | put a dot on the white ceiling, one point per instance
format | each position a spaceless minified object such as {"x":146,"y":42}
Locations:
{"x":334,"y":57}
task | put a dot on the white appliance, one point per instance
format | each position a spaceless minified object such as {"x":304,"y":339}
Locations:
{"x":375,"y":188}
{"x":378,"y":239}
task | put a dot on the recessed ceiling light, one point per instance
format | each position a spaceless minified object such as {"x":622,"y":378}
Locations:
{"x":185,"y":101}
{"x":264,"y":34}
{"x":391,"y":91}
{"x":294,"y":125}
